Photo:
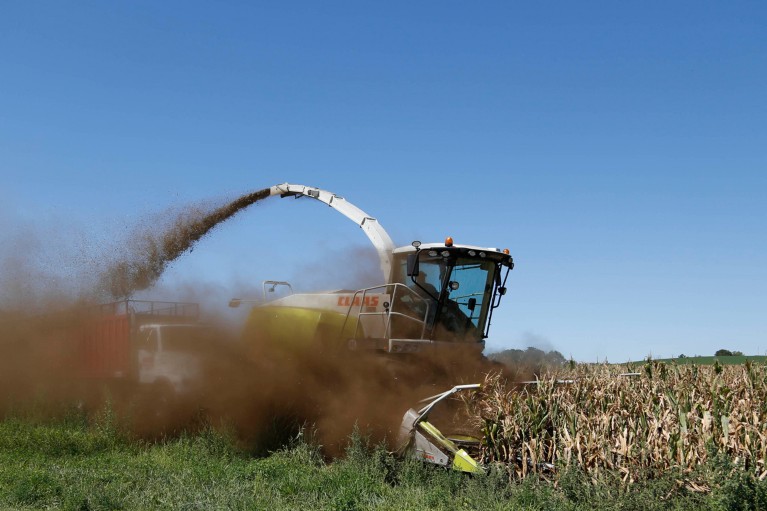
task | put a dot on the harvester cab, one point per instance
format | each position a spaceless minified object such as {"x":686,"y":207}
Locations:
{"x":438,"y":296}
{"x":460,"y":285}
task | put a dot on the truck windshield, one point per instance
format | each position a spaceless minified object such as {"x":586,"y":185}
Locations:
{"x":185,"y":337}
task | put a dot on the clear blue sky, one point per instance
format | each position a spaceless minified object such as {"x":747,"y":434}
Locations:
{"x":618,"y":149}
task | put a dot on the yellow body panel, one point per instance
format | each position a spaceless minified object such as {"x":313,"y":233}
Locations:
{"x":465,"y":463}
{"x":296,"y":330}
{"x":461,"y":459}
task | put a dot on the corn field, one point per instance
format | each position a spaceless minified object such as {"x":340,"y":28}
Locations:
{"x":660,"y":417}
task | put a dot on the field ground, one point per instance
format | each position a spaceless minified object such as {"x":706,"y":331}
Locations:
{"x":80,"y":463}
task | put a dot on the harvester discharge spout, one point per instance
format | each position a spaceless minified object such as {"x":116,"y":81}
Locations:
{"x":377,"y":235}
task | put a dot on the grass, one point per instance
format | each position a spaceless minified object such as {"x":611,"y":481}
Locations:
{"x":67,"y":466}
{"x":80,"y":464}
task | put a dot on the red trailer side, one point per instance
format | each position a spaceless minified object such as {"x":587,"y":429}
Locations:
{"x":106,"y":347}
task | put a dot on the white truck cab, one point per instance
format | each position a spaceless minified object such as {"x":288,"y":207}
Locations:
{"x":170,"y":354}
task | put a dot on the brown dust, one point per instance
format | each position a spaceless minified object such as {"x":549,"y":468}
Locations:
{"x":265,"y":399}
{"x":151,"y":253}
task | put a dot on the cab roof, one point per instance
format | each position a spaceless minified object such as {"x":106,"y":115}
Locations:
{"x":492,"y":252}
{"x":442,"y":246}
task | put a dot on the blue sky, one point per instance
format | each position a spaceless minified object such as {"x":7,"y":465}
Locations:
{"x":618,"y":149}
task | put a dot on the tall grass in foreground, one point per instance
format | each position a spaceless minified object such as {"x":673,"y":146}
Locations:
{"x":80,"y":465}
{"x":72,"y":464}
{"x":641,"y":426}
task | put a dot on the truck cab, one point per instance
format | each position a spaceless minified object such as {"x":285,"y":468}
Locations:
{"x":170,"y":354}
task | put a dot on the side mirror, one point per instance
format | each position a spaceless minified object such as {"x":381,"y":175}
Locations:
{"x":235,"y":302}
{"x":472,"y":304}
{"x":501,"y":290}
{"x":412,"y":265}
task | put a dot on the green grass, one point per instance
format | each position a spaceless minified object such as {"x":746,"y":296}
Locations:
{"x":733,"y":360}
{"x":79,"y":464}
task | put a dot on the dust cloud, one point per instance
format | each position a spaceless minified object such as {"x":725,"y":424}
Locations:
{"x":151,"y":253}
{"x":46,"y":365}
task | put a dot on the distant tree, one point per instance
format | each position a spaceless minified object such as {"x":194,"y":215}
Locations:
{"x":737,"y":353}
{"x":723,"y":353}
{"x":532,"y":357}
{"x":682,"y":355}
{"x":555,"y":358}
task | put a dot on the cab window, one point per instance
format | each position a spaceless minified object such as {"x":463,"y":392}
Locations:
{"x":147,"y":340}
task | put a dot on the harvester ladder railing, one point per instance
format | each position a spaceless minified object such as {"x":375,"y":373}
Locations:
{"x":389,"y":311}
